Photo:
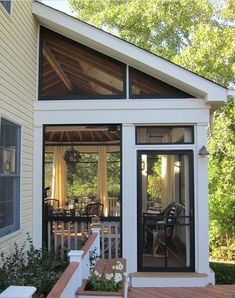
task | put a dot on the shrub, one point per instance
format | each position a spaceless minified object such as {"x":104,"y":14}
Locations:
{"x":31,"y":267}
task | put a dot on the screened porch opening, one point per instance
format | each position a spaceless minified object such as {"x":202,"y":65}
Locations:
{"x":165,"y":211}
{"x":82,"y":166}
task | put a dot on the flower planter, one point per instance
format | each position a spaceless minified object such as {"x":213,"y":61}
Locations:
{"x":83,"y":293}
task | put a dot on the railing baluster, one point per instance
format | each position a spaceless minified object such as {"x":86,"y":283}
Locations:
{"x":102,"y":240}
{"x":69,"y":235}
{"x":116,"y":239}
{"x":75,"y":235}
{"x":66,"y":235}
{"x":49,"y":235}
{"x":109,"y":240}
{"x":62,"y":239}
{"x":55,"y":236}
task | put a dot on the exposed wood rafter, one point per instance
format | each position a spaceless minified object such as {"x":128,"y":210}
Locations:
{"x":57,"y":67}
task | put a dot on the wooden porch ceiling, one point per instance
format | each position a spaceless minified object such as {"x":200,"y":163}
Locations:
{"x":219,"y":291}
{"x":82,"y":135}
{"x":70,"y":69}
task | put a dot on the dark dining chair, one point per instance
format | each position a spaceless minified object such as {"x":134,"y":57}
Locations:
{"x":94,"y":209}
{"x":163,"y":233}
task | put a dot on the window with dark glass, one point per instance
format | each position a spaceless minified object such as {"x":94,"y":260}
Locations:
{"x":164,"y":135}
{"x":6,"y":5}
{"x":145,"y":86}
{"x":71,"y":70}
{"x":9,"y":177}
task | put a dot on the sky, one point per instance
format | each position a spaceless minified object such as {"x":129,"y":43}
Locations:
{"x":59,"y":4}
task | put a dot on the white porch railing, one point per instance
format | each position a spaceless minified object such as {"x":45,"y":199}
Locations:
{"x":78,"y":269}
{"x":69,"y":235}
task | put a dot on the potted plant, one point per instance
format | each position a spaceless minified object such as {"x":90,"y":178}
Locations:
{"x":105,"y":281}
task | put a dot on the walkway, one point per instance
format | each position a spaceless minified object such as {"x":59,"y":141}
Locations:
{"x":219,"y":291}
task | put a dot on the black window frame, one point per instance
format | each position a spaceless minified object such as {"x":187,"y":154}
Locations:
{"x":7,"y":5}
{"x":15,"y":180}
{"x":170,"y":126}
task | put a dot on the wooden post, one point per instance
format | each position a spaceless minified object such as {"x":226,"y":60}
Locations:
{"x":76,"y":256}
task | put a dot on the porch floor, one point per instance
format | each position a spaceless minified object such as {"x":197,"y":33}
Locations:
{"x":218,"y":291}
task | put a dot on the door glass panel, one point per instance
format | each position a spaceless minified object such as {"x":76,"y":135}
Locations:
{"x":165,"y":188}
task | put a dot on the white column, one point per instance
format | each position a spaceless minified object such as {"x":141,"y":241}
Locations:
{"x":201,"y":204}
{"x":76,"y":256}
{"x":129,"y":197}
{"x":37,"y":187}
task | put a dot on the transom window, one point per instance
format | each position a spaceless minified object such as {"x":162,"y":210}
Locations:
{"x":71,"y":70}
{"x":145,"y":86}
{"x":9,"y":177}
{"x":164,"y":135}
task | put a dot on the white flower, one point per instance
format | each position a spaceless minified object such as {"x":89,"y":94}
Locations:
{"x":96,"y":273}
{"x":108,"y":276}
{"x":117,"y":277}
{"x":119,"y":266}
{"x":113,"y":267}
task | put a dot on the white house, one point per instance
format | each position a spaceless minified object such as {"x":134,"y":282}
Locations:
{"x":135,"y":121}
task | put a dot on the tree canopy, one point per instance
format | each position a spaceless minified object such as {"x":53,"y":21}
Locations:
{"x":200,"y":36}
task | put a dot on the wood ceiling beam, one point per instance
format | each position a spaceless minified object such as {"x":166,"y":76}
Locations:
{"x":88,"y":78}
{"x":52,"y":82}
{"x":56,"y":66}
{"x":107,"y":135}
{"x":54,"y":89}
{"x":146,"y":84}
{"x":74,"y":53}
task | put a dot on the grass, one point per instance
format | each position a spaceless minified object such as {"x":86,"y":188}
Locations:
{"x":224,"y":273}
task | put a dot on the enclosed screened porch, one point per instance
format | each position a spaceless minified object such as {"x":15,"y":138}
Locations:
{"x":82,"y":180}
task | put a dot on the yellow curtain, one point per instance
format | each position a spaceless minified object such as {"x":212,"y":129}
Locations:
{"x":102,"y":178}
{"x":59,"y":190}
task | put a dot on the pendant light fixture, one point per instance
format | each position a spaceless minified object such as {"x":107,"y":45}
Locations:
{"x":72,"y":156}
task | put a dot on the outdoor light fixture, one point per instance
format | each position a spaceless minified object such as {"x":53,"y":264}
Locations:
{"x":203,"y":151}
{"x":72,"y":156}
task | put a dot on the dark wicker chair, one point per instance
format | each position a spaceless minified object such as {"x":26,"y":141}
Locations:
{"x":94,"y":209}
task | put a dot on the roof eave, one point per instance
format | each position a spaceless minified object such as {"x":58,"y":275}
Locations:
{"x":129,"y":54}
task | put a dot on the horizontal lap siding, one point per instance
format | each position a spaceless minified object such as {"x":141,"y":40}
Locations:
{"x":18,"y":85}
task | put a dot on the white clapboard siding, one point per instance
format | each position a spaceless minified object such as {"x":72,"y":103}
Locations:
{"x":18,"y":89}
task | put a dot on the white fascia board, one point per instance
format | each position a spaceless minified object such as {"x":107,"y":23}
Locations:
{"x":121,"y":104}
{"x":129,"y":54}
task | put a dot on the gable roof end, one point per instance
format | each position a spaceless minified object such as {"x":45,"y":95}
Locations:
{"x":130,"y":54}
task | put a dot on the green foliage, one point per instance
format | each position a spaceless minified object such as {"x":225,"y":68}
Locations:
{"x":200,"y":36}
{"x":113,"y":174}
{"x":155,"y":182}
{"x":224,"y":273}
{"x":31,"y":267}
{"x":82,"y":177}
{"x":222,"y":183}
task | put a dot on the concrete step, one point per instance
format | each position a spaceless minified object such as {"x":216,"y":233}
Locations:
{"x":168,"y":279}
